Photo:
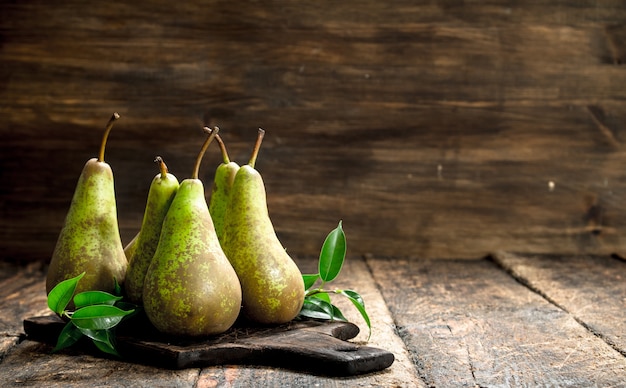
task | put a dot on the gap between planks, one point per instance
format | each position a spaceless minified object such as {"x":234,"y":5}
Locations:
{"x":589,"y":288}
{"x":470,"y":323}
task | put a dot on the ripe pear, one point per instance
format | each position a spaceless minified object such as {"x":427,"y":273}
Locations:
{"x":90,"y":240}
{"x":272,"y":285}
{"x":190,"y":288}
{"x":222,"y":183}
{"x":162,"y":191}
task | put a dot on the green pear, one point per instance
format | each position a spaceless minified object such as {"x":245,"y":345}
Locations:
{"x":90,"y":239}
{"x":190,"y":288}
{"x":222,"y":183}
{"x":272,"y":285}
{"x":162,"y":191}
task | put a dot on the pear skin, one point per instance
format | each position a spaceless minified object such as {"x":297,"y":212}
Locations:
{"x":222,"y":184}
{"x":162,"y":191}
{"x":89,"y":240}
{"x":191,"y":289}
{"x":272,"y":285}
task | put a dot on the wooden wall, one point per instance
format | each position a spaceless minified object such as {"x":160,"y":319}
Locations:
{"x":433,"y":129}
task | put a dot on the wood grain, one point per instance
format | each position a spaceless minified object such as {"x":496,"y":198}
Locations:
{"x":22,"y":295}
{"x":464,"y":323}
{"x":591,"y":288}
{"x":433,"y":129}
{"x":30,"y":363}
{"x":319,"y":348}
{"x":468,"y":323}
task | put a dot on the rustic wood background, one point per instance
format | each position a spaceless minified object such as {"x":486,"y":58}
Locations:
{"x":431,"y":128}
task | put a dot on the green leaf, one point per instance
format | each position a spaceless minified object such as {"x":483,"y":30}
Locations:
{"x":121,"y":304}
{"x":322,"y":295}
{"x":337,"y":314}
{"x":90,"y":298}
{"x":68,"y":337}
{"x":332,"y":254}
{"x":106,"y":347}
{"x":99,"y":317}
{"x":117,"y":289}
{"x":309,"y":280}
{"x":357,"y":301}
{"x":61,"y":295}
{"x":103,"y":339}
{"x":316,"y":308}
{"x":353,"y":295}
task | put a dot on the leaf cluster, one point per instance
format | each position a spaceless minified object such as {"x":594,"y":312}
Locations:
{"x":95,"y":316}
{"x":317,"y":300}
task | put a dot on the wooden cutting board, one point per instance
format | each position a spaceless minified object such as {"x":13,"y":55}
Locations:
{"x":308,"y":345}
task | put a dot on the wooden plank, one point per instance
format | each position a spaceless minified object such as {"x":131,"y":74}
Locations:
{"x":29,"y":362}
{"x":355,"y":275}
{"x":22,"y":295}
{"x":450,"y":119}
{"x":468,"y":323}
{"x":591,"y":288}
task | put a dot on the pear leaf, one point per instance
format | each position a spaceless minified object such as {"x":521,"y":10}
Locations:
{"x":61,"y":295}
{"x":322,"y":295}
{"x":321,"y":308}
{"x":99,"y":317}
{"x":103,"y":340}
{"x":117,"y":289}
{"x":68,"y":337}
{"x":357,"y":301}
{"x":317,"y":308}
{"x":89,"y":298}
{"x":332,"y":254}
{"x":309,"y":280}
{"x":317,"y":302}
{"x":106,"y":347}
{"x":338,"y":315}
{"x":126,"y":305}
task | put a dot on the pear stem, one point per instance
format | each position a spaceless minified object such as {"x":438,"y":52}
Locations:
{"x":114,"y":117}
{"x":257,"y":147}
{"x":162,"y":166}
{"x":223,"y":149}
{"x":213,"y":133}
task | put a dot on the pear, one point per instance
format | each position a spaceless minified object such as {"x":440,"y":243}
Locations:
{"x":162,"y":191}
{"x":190,"y":288}
{"x":90,"y":240}
{"x":272,"y":285}
{"x":222,"y":183}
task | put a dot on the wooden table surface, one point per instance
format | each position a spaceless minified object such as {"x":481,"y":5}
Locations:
{"x":507,"y":320}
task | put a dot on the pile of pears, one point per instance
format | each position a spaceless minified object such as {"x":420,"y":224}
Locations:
{"x":195,"y":267}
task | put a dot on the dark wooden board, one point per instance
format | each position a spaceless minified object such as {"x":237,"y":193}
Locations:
{"x":469,"y":323}
{"x":316,"y":347}
{"x":417,"y":124}
{"x":591,"y":288}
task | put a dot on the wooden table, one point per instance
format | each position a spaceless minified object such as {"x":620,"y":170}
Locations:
{"x":507,"y":320}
